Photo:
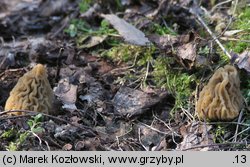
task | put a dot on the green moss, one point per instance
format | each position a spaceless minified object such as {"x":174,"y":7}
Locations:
{"x":138,"y":59}
{"x":9,"y":134}
{"x":162,"y":30}
{"x":162,"y":74}
{"x":175,"y":81}
{"x":242,"y":22}
{"x":224,"y":59}
{"x":14,"y":146}
{"x":84,"y":5}
{"x":239,"y":47}
{"x":128,"y":53}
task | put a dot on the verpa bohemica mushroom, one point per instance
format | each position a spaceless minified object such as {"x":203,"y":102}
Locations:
{"x":32,"y":92}
{"x":221,"y":98}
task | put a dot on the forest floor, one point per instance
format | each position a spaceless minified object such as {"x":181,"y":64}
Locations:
{"x":126,"y":75}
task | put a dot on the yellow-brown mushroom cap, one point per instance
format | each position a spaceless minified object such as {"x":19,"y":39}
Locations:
{"x":32,"y":92}
{"x":221,"y":98}
{"x":39,"y":70}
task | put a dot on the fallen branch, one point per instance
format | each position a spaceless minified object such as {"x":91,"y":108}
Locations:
{"x":195,"y":13}
{"x":31,"y":113}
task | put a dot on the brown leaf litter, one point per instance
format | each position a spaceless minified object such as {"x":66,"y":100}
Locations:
{"x":195,"y":136}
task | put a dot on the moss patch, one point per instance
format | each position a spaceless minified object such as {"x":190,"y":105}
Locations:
{"x":174,"y":80}
{"x":242,"y":22}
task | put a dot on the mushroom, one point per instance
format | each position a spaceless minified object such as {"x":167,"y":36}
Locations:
{"x":32,"y":92}
{"x":221,"y":98}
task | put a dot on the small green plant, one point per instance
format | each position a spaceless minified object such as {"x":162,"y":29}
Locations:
{"x":21,"y":135}
{"x":204,"y":51}
{"x":84,"y":5}
{"x":80,"y":28}
{"x":118,"y":5}
{"x":82,"y":31}
{"x":76,"y":26}
{"x":163,"y":30}
{"x":219,"y":133}
{"x":35,"y":124}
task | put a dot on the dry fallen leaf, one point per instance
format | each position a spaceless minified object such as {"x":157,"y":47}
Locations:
{"x":244,"y":60}
{"x":127,"y":31}
{"x":66,"y":92}
{"x":67,"y":147}
{"x":196,"y":134}
{"x":91,"y":41}
{"x":95,"y":96}
{"x":148,"y":136}
{"x":49,"y":8}
{"x":163,"y":41}
{"x":231,"y":32}
{"x":92,"y":11}
{"x":187,"y":51}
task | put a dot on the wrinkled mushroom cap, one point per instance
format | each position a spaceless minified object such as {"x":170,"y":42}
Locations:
{"x":221,"y":98}
{"x":32,"y":92}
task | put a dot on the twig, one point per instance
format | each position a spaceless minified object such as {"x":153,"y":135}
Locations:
{"x":82,"y":127}
{"x":146,"y":75}
{"x":171,"y":129}
{"x":117,"y":138}
{"x":218,"y":144}
{"x":65,"y":23}
{"x":219,"y":4}
{"x":174,"y":133}
{"x":154,"y":129}
{"x":193,"y":11}
{"x":58,"y":64}
{"x":48,"y":138}
{"x":230,"y":20}
{"x":234,"y":123}
{"x":247,"y":129}
{"x":139,"y":136}
{"x":187,"y":113}
{"x":40,"y":141}
{"x":237,"y":126}
{"x":234,"y":39}
{"x":235,"y":6}
{"x":47,"y":144}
